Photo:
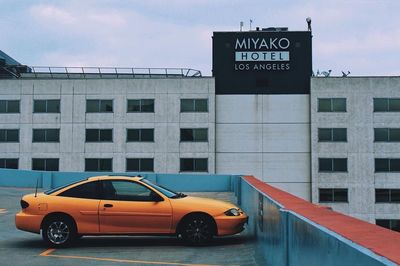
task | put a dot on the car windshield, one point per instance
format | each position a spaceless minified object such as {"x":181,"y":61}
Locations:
{"x":51,"y":191}
{"x":167,"y":192}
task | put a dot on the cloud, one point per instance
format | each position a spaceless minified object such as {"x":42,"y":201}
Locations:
{"x":51,"y":14}
{"x":72,"y":19}
{"x":121,"y":37}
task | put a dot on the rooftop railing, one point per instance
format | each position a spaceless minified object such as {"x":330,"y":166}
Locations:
{"x":98,"y":72}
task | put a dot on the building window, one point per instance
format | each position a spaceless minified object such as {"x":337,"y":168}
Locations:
{"x":194,"y":134}
{"x":9,"y":106}
{"x":194,"y":105}
{"x":9,"y":135}
{"x":141,"y":106}
{"x":387,"y":165}
{"x":10,"y":163}
{"x":332,"y":134}
{"x":392,"y":224}
{"x":46,"y":106}
{"x":333,"y":195}
{"x":46,"y":135}
{"x":45,"y":164}
{"x":99,"y":135}
{"x":98,"y":165}
{"x":383,"y":195}
{"x":140,"y":165}
{"x":332,"y":105}
{"x":194,"y":165}
{"x":99,"y":106}
{"x":140,"y":134}
{"x":386,"y":134}
{"x":386,"y":105}
{"x":332,"y":164}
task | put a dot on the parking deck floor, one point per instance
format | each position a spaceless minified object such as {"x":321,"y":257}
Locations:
{"x":22,"y":248}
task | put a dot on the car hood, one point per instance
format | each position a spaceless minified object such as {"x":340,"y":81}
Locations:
{"x":202,"y":204}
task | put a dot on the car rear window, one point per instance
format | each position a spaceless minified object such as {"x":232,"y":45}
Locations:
{"x":53,"y":190}
{"x":88,"y":190}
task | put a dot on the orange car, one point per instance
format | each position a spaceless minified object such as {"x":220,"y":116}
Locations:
{"x":114,"y":205}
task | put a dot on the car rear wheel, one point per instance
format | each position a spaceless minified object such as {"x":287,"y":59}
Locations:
{"x":197,"y":230}
{"x":58,"y":231}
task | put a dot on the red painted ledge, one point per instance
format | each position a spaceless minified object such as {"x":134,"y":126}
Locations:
{"x":381,"y":241}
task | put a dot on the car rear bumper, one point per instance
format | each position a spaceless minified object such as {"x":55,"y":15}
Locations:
{"x":230,"y":225}
{"x":28,"y":222}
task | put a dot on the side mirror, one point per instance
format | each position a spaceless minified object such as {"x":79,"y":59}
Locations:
{"x":155,"y":197}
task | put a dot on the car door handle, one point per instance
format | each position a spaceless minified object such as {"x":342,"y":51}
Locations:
{"x":108,"y":205}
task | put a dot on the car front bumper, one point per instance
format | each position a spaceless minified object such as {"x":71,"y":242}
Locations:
{"x":230,"y":225}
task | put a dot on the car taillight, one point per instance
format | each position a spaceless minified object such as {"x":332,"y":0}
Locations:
{"x":24,"y":204}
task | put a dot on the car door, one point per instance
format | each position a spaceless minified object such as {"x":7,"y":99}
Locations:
{"x":130,"y":207}
{"x":82,"y":203}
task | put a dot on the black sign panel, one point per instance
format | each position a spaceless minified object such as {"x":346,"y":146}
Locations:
{"x":262,"y":62}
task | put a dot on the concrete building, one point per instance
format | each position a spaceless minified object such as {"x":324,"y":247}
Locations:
{"x":247,"y":139}
{"x":333,"y":141}
{"x":355,"y":146}
{"x":267,"y":136}
{"x":101,"y":119}
{"x":262,"y":81}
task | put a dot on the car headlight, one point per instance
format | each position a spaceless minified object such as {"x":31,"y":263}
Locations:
{"x":232,"y":212}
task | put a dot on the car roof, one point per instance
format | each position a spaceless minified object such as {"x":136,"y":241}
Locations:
{"x":109,"y":177}
{"x":93,"y":178}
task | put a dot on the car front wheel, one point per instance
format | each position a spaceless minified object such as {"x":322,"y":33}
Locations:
{"x":58,"y":232}
{"x":197,"y":230}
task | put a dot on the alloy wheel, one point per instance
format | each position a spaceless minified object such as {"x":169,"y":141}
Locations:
{"x":198,"y":231}
{"x":58,"y":232}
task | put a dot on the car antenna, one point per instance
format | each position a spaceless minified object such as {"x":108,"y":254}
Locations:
{"x":37,"y":183}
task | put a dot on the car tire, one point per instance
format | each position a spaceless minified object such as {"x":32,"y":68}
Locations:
{"x":59,"y":231}
{"x":197,"y":230}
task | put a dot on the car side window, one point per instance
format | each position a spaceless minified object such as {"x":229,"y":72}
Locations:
{"x":88,"y":190}
{"x":126,"y":191}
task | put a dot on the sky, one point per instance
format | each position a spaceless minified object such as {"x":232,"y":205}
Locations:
{"x":360,"y":36}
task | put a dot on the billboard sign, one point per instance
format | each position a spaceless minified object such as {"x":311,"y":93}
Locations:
{"x":262,"y":62}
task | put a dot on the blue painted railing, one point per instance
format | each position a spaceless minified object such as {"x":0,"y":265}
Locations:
{"x":178,"y":182}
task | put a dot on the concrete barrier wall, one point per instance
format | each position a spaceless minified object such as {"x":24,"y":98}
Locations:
{"x":178,"y":182}
{"x":291,"y":231}
{"x":267,"y":224}
{"x":311,"y":244}
{"x":20,"y":178}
